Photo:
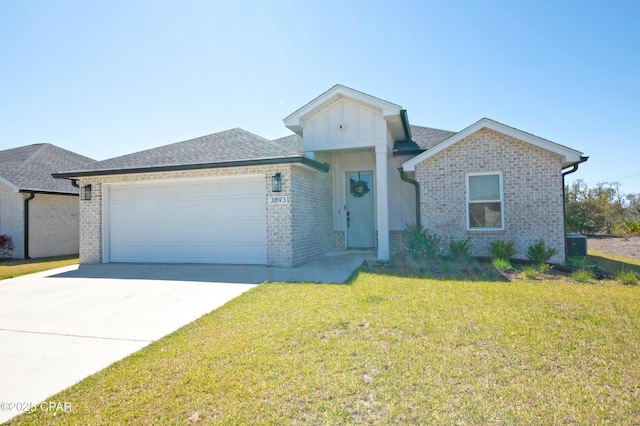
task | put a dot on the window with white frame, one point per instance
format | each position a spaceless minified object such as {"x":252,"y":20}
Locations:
{"x":484,"y":201}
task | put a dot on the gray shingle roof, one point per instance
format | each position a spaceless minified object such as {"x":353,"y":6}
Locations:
{"x":427,"y":138}
{"x":227,"y":146}
{"x":291,"y":142}
{"x":29,"y":167}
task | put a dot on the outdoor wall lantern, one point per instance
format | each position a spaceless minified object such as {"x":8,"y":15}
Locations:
{"x":276,"y":183}
{"x":85,"y":192}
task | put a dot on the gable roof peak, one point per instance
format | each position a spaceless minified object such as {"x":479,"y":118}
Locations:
{"x":569,"y":156}
{"x":295,"y":121}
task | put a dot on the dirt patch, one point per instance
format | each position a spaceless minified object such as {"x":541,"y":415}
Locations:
{"x":621,"y":246}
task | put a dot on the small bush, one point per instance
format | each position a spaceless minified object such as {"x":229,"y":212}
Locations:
{"x":581,"y":275}
{"x":499,"y":249}
{"x":530,"y":273}
{"x":633,"y":228}
{"x":420,"y":243}
{"x":6,"y":246}
{"x":628,"y":278}
{"x":540,"y":253}
{"x":576,"y":262}
{"x":502,"y":264}
{"x":460,"y":249}
{"x":543,"y":267}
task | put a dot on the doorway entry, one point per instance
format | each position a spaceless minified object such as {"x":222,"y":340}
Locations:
{"x":361,"y":231}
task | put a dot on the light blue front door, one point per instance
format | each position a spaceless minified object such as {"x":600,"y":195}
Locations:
{"x":360,"y":223}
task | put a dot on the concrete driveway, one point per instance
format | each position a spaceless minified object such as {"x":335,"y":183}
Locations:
{"x":60,"y":326}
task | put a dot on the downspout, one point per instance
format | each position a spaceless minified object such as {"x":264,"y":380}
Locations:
{"x":75,"y":183}
{"x":574,"y":168}
{"x":26,"y":223}
{"x":405,"y":178}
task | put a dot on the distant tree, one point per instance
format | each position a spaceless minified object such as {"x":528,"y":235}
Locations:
{"x":600,"y":209}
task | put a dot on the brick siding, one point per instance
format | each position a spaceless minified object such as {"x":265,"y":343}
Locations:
{"x":296,"y":231}
{"x":311,"y":204}
{"x":53,"y":225}
{"x":532,"y":185}
{"x":11,"y":218}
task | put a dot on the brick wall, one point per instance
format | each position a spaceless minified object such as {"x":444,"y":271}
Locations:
{"x":293,"y":233}
{"x":311,"y":203}
{"x":338,"y":241}
{"x":532,"y":184}
{"x":53,"y":225}
{"x":396,"y":242}
{"x":11,"y":218}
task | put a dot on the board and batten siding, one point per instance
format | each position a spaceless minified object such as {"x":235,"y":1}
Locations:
{"x":345,"y":124}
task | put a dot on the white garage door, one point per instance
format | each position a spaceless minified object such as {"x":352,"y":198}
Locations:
{"x":200,"y":221}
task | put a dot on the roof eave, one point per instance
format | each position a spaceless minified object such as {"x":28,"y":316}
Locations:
{"x":323,"y":167}
{"x":43,"y":191}
{"x":10,"y":184}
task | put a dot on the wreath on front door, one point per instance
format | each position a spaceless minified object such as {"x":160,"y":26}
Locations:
{"x":359,"y":188}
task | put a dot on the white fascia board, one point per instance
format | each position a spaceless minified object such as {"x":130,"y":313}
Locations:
{"x":568,"y":155}
{"x":10,"y":184}
{"x":294,"y":120}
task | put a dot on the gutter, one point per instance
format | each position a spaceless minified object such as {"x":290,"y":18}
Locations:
{"x":405,"y":124}
{"x":26,"y":223}
{"x":407,"y":146}
{"x":574,"y":168}
{"x":405,"y":178}
{"x":323,"y":167}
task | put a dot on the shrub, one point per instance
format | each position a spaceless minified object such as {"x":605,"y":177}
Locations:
{"x":501,"y":264}
{"x":633,"y":228}
{"x":421,"y":243}
{"x":581,"y":275}
{"x":543,"y":267}
{"x":530,"y":273}
{"x":628,"y":278}
{"x":6,"y":246}
{"x":499,"y":249}
{"x":540,"y":253}
{"x":460,"y":249}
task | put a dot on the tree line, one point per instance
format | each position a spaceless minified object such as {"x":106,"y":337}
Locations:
{"x":602,"y":209}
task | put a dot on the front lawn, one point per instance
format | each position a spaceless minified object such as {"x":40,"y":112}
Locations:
{"x":384,"y":349}
{"x":15,"y":268}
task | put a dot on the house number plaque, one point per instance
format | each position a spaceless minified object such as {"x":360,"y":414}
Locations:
{"x":278,"y":199}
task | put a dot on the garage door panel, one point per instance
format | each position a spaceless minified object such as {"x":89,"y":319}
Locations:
{"x":221,"y":221}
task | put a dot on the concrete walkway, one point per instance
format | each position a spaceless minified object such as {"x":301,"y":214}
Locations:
{"x":60,"y":326}
{"x":332,"y":268}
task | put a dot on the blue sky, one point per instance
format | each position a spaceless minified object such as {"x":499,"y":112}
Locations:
{"x":106,"y":78}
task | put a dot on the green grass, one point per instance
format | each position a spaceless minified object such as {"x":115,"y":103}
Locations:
{"x":15,"y":268}
{"x":612,"y":262}
{"x":581,"y":276}
{"x":501,"y":264}
{"x":627,"y":278}
{"x":383,"y":350}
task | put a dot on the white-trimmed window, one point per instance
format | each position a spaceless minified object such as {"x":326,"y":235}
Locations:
{"x":485,"y":201}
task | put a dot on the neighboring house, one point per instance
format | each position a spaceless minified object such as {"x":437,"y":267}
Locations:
{"x":352,"y":176}
{"x":40,"y":213}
